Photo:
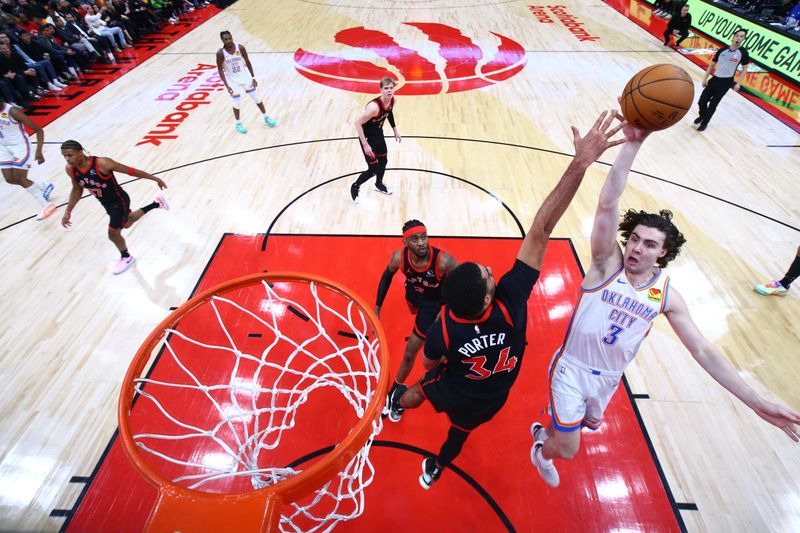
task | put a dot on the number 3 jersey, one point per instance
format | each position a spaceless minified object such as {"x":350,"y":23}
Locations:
{"x":611,"y":321}
{"x":484,"y":355}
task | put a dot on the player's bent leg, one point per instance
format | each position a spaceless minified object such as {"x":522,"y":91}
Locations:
{"x":413,"y":346}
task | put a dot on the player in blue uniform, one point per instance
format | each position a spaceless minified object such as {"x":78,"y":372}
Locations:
{"x":474,"y":351}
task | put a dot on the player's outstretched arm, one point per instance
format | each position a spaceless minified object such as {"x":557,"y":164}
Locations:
{"x":587,"y":149}
{"x":723,"y":371}
{"x":106,"y":165}
{"x":606,"y":255}
{"x":386,"y":280}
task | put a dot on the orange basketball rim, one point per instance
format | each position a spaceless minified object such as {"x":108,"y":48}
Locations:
{"x":187,"y":510}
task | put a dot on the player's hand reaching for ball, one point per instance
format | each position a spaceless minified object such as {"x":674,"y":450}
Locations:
{"x":598,"y":139}
{"x":633,"y":134}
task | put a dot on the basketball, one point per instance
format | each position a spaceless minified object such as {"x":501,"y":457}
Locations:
{"x":657,"y":97}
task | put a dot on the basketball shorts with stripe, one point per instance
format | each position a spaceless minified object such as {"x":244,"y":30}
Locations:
{"x":579,"y":395}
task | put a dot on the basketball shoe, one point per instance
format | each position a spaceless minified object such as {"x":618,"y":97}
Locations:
{"x":545,"y":467}
{"x":48,"y":190}
{"x":538,"y":432}
{"x":773,"y":288}
{"x":162,"y":202}
{"x":430,"y":472}
{"x":240,"y":128}
{"x":698,"y":120}
{"x":270,"y":122}
{"x":46,"y":211}
{"x":395,"y":411}
{"x":381,"y":188}
{"x":354,"y":192}
{"x":123,"y":264}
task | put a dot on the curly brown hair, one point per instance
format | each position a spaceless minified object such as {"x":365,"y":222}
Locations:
{"x":661,"y":221}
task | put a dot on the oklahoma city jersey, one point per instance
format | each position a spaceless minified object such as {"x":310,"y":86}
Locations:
{"x":11,"y":132}
{"x":611,"y":321}
{"x":235,"y":68}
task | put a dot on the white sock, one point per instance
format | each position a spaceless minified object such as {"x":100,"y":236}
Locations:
{"x":238,"y":122}
{"x":34,"y":190}
{"x":545,"y":462}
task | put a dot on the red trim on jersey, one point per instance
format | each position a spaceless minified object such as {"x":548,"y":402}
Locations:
{"x":411,"y":264}
{"x":445,"y":336}
{"x":482,"y":318}
{"x":505,"y":313}
{"x":97,"y":169}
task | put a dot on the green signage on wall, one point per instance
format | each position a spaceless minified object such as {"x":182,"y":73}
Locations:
{"x":770,"y":48}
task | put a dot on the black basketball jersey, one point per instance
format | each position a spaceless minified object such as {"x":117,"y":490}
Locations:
{"x":374,"y":126}
{"x":103,"y":187}
{"x":484,"y":355}
{"x":426,"y":282}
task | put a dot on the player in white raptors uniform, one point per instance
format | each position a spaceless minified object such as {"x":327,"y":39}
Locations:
{"x":15,"y":155}
{"x":624,"y":290}
{"x":237,"y":74}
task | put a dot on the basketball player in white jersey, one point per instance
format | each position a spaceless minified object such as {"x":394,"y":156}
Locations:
{"x":624,"y":290}
{"x":15,"y":156}
{"x":237,"y":74}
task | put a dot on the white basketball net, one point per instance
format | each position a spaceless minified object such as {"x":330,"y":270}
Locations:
{"x":246,"y":430}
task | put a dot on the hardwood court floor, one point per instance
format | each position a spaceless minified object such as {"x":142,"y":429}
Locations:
{"x":72,"y":327}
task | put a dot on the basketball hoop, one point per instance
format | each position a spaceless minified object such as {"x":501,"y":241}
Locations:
{"x":261,"y":411}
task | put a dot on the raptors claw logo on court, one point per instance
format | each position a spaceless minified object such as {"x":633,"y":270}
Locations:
{"x":460,"y":67}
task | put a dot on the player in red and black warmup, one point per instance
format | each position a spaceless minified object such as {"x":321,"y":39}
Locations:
{"x":424,"y":268}
{"x":474,"y":350}
{"x":97,"y":175}
{"x":369,"y":126}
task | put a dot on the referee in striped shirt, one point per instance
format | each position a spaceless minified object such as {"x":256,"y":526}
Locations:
{"x":726,"y":60}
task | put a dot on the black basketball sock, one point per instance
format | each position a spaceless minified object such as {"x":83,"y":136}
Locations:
{"x":452,"y":446}
{"x":363,"y":177}
{"x":792,"y":274}
{"x":149,"y":207}
{"x":125,"y":253}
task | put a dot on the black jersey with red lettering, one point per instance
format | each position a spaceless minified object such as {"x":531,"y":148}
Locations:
{"x":423,"y":283}
{"x":374,"y":126}
{"x":484,"y":355}
{"x":104,"y":187}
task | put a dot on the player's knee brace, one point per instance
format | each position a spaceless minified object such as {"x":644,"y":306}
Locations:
{"x":237,"y":101}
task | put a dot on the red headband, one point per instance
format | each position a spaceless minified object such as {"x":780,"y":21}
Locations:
{"x":413,"y":230}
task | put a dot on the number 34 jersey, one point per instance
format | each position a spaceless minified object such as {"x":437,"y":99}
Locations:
{"x":611,"y":321}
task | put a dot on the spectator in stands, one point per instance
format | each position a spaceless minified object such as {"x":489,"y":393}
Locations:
{"x":679,"y":25}
{"x":94,"y":20}
{"x":101,"y":43}
{"x":66,"y":60}
{"x":667,"y":9}
{"x":14,"y":69}
{"x":34,"y":56}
